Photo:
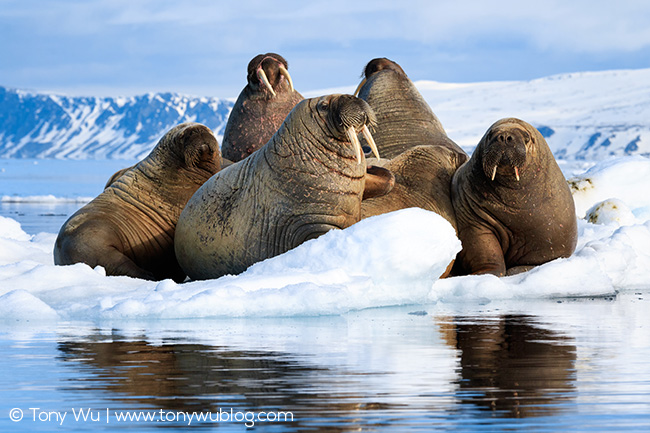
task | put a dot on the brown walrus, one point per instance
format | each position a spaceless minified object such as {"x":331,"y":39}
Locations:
{"x":404,"y":119}
{"x":513,"y":205}
{"x":308,"y":179}
{"x":260,"y":108}
{"x":422,"y":179}
{"x":129,"y":228}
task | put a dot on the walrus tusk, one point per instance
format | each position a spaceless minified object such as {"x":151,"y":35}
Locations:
{"x":371,"y":142}
{"x":356,"y":92}
{"x":352,"y":136}
{"x":517,"y":173}
{"x":285,"y":74}
{"x":262,"y":76}
{"x":494,"y":172}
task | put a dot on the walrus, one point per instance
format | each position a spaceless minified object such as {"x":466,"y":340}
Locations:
{"x":308,"y":179}
{"x":422,"y":179}
{"x":129,"y":228}
{"x":513,"y":205}
{"x":260,"y":108}
{"x":404,"y":119}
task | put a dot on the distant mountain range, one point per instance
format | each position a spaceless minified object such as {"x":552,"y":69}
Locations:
{"x":587,"y":115}
{"x":40,"y":125}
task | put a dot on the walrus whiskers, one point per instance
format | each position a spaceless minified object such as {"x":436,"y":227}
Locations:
{"x":285,"y":74}
{"x":262,"y":76}
{"x":371,"y":142}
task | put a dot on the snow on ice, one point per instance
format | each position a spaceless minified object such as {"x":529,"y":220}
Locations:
{"x":388,"y":260}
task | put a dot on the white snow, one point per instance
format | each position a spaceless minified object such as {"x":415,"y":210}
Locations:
{"x":617,"y":178}
{"x":392,"y":259}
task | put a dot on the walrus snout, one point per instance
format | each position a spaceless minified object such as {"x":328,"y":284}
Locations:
{"x":506,"y":149}
{"x":350,"y":111}
{"x":377,"y":65}
{"x":265,"y":71}
{"x":349,"y":116}
{"x":380,"y":64}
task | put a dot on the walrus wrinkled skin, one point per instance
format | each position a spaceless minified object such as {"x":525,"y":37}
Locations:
{"x":308,"y":179}
{"x":513,"y":205}
{"x":129,"y":228}
{"x":422,"y":179}
{"x":404,"y":119}
{"x":260,"y":108}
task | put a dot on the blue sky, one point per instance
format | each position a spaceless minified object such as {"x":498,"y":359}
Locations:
{"x":127,"y":47}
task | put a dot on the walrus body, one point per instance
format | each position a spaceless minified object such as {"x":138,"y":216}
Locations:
{"x":129,"y":228}
{"x":422,"y":179}
{"x":513,"y":205}
{"x":307,"y":180}
{"x":404,"y":119}
{"x":260,"y":108}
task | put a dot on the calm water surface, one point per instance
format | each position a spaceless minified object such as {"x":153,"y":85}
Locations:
{"x":545,"y":365}
{"x":418,"y":368}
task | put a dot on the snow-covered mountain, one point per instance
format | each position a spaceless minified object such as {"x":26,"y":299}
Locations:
{"x":588,"y":115}
{"x":39,"y":125}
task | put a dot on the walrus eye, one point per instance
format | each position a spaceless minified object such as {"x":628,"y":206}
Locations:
{"x":322,"y":106}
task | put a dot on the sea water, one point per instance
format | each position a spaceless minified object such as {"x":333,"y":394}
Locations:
{"x":556,"y":365}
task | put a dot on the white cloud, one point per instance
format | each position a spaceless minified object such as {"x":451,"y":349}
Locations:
{"x":554,"y":25}
{"x":145,"y":38}
{"x":590,"y":26}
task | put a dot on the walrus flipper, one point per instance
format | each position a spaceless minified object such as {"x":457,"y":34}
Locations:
{"x":519,"y":269}
{"x":116,"y":263}
{"x":379,"y":182}
{"x":481,"y":255}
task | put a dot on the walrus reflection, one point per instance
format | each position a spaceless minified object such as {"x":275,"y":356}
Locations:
{"x":512,"y":366}
{"x":201,"y":378}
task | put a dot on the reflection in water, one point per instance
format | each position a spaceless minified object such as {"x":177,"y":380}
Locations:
{"x":508,"y":367}
{"x":513,"y":367}
{"x":200,"y":378}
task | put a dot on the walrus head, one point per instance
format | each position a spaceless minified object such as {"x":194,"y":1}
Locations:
{"x":377,"y":65}
{"x":266,"y":73}
{"x":504,"y":149}
{"x":193,"y":145}
{"x":345,"y":116}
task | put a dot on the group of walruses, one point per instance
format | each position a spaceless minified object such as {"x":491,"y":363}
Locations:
{"x":295,"y":168}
